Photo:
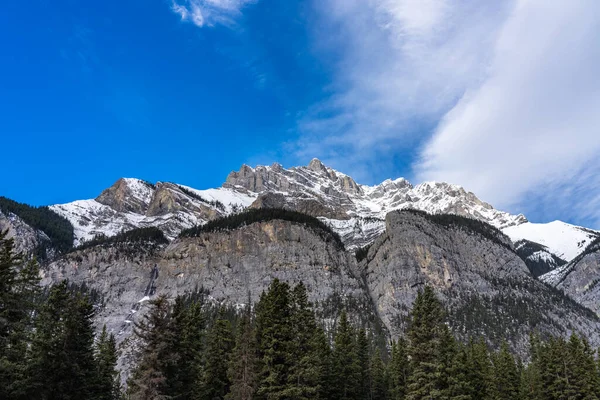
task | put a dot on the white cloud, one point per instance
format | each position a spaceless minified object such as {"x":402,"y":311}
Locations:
{"x":209,"y":12}
{"x":514,"y":83}
{"x":401,"y":62}
{"x":529,"y":135}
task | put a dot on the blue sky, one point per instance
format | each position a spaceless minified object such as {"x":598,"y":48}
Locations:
{"x":500,"y":97}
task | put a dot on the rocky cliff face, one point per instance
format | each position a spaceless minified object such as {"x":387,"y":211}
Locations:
{"x":485,"y":285}
{"x":579,"y":279}
{"x":475,"y":270}
{"x":233,"y":267}
{"x":27,"y":239}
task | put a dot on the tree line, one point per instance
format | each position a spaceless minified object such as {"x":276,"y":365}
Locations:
{"x":58,"y":228}
{"x":150,"y":234}
{"x":48,"y":347}
{"x":279,"y":350}
{"x":254,"y":215}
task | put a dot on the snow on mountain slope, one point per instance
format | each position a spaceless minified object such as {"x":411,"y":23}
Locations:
{"x":564,"y":240}
{"x":90,"y":219}
{"x":131,"y":203}
{"x":355,"y":211}
{"x":231,"y":200}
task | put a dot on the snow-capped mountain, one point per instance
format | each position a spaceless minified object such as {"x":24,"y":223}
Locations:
{"x":355,"y":211}
{"x":132,"y":203}
{"x":564,"y":240}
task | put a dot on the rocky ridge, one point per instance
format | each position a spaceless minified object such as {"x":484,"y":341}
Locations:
{"x":471,"y":265}
{"x":579,"y":278}
{"x":355,"y":211}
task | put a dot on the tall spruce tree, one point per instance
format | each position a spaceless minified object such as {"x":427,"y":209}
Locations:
{"x":346,"y":367}
{"x":19,"y":297}
{"x":480,"y":370}
{"x":243,"y":363}
{"x":62,"y":357}
{"x":365,"y":384}
{"x":323,"y":361}
{"x":303,"y":376}
{"x":582,"y":382}
{"x":531,"y":385}
{"x":553,"y":357}
{"x":187,"y":325}
{"x":446,"y":354}
{"x":424,"y":336}
{"x":378,"y":378}
{"x":108,"y":377}
{"x":215,"y":381}
{"x":399,"y":370}
{"x":274,"y":336}
{"x":149,"y":381}
{"x":506,"y":375}
{"x":459,"y":385}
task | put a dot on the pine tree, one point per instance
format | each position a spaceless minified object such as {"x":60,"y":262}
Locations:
{"x":506,"y":376}
{"x":346,"y":368}
{"x":9,"y":263}
{"x":591,"y":383}
{"x":424,"y":336}
{"x":215,"y":381}
{"x":148,"y":381}
{"x":459,"y":385}
{"x":108,"y":384}
{"x":303,"y":379}
{"x":530,"y":385}
{"x":447,"y":351}
{"x":364,"y":365}
{"x":379,"y":387}
{"x":243,"y":362}
{"x":19,"y":295}
{"x":580,"y":370}
{"x":323,"y":361}
{"x":554,"y":376}
{"x":399,"y":370}
{"x":62,"y":358}
{"x":273,"y":333}
{"x":187,"y":328}
{"x":480,"y":371}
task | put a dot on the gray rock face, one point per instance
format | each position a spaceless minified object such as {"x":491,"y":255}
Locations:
{"x":484,"y":284}
{"x":124,"y":197}
{"x":486,"y":287}
{"x":26,"y":238}
{"x":579,"y":279}
{"x":233,"y":267}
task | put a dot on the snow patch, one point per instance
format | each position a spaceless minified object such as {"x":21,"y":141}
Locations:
{"x":564,"y":240}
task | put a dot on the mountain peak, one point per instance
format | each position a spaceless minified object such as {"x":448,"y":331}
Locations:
{"x":128,"y":195}
{"x":316,"y":165}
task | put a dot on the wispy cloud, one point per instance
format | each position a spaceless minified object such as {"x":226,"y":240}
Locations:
{"x":528,"y":136}
{"x":512,"y":87}
{"x":209,"y":12}
{"x":402,"y":64}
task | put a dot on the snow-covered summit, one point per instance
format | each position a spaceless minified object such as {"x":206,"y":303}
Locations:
{"x":564,"y":240}
{"x":354,"y":210}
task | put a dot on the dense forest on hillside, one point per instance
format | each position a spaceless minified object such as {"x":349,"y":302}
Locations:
{"x":537,"y":266}
{"x":215,"y":203}
{"x":254,"y":215}
{"x":58,"y":228}
{"x":149,"y":234}
{"x":190,"y":348}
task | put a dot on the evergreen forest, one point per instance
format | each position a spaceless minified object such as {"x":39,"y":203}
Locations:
{"x":191,"y":348}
